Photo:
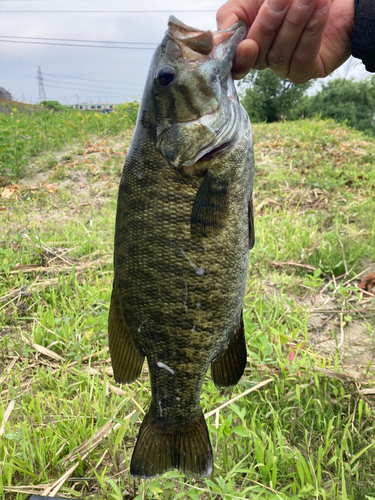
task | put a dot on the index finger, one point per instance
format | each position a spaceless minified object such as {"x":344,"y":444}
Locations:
{"x":247,"y":51}
{"x":234,"y":10}
{"x":225,"y":18}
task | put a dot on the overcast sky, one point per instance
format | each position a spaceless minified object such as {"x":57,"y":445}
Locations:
{"x":103,"y":71}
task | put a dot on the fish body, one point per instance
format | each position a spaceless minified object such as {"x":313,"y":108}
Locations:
{"x":184,"y":227}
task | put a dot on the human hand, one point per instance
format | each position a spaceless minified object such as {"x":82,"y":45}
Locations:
{"x":297,"y":39}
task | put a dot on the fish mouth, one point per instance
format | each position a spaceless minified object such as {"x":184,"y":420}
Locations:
{"x":215,"y":151}
{"x":198,"y":45}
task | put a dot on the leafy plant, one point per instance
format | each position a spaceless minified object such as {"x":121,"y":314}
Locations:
{"x":266,"y":96}
{"x":346,"y":101}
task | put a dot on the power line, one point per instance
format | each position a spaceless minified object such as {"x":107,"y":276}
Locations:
{"x":74,"y":40}
{"x":103,"y":11}
{"x":78,"y":45}
{"x":105,"y":91}
{"x":123,"y":84}
{"x":85,"y":79}
{"x":95,"y":91}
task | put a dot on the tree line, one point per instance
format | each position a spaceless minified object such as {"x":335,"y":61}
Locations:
{"x":266,"y":97}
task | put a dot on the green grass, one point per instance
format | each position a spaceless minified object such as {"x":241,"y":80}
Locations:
{"x":23,"y":136}
{"x":306,"y":434}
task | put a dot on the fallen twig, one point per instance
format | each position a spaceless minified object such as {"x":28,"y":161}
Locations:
{"x":296,"y":264}
{"x":255,"y":388}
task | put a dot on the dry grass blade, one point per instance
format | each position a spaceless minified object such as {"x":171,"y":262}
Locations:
{"x":82,"y":451}
{"x":94,"y":371}
{"x":37,"y":268}
{"x":44,"y":284}
{"x":9,"y":369}
{"x":90,"y":356}
{"x":28,"y":490}
{"x":35,"y":287}
{"x":296,"y":264}
{"x":117,"y":390}
{"x":6,"y":416}
{"x":57,"y":268}
{"x":349,"y":376}
{"x":107,"y":371}
{"x":43,"y":350}
{"x":51,"y":490}
{"x":323,"y":290}
{"x":252,"y":389}
{"x":335,"y":311}
{"x":23,"y":385}
{"x":92,"y":442}
{"x":368,"y":392}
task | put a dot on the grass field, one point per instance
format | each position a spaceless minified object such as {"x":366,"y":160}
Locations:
{"x":302,"y":426}
{"x":27,"y":131}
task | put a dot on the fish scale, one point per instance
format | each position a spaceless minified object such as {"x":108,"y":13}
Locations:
{"x":184,"y":227}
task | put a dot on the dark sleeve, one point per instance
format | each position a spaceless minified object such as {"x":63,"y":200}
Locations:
{"x":363,"y":37}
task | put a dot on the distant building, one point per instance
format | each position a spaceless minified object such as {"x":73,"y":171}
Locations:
{"x":91,"y":107}
{"x":4,"y":94}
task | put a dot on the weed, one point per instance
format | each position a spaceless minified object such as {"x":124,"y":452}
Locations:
{"x":24,"y":136}
{"x":306,"y":433}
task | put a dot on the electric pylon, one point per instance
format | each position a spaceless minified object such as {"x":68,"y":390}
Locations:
{"x":41,"y":91}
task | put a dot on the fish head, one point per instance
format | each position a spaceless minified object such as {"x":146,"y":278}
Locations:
{"x":193,"y":95}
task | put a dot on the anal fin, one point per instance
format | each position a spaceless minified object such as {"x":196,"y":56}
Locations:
{"x":228,"y":369}
{"x":160,"y":448}
{"x":126,"y":358}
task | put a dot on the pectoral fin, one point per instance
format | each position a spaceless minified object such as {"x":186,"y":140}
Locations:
{"x":210,"y":207}
{"x":228,"y":369}
{"x":251,"y":223}
{"x":126,"y":358}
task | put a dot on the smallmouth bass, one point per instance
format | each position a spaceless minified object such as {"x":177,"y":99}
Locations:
{"x":184,"y":227}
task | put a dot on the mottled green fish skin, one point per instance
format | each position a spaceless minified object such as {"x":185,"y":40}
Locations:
{"x":179,"y":283}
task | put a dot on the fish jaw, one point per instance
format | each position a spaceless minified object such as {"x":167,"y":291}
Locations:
{"x":197,"y":112}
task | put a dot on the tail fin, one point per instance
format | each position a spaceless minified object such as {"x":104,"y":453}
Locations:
{"x":159,"y":448}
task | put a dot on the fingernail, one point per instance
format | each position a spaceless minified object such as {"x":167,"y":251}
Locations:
{"x":278,"y":5}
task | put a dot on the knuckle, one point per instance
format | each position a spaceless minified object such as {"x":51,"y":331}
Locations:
{"x":267,"y":27}
{"x":315,"y":26}
{"x":303,"y":57}
{"x":292,"y":23}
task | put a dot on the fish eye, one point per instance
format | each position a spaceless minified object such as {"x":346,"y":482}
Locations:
{"x":165,"y":75}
